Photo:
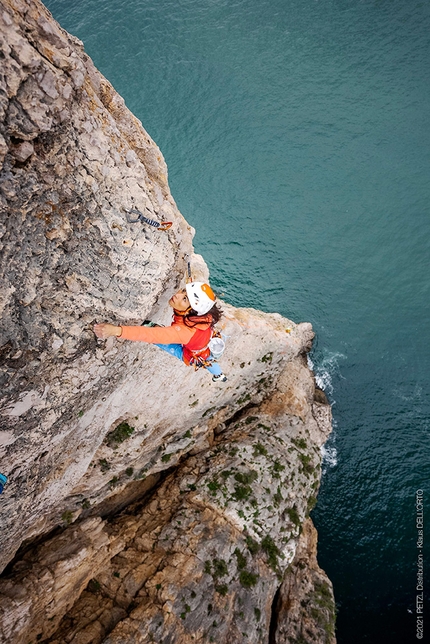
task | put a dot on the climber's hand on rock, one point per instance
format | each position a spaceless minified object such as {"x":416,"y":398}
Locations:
{"x":107,"y":330}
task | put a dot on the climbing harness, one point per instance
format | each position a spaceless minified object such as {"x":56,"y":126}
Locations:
{"x":210,"y":353}
{"x":160,"y":225}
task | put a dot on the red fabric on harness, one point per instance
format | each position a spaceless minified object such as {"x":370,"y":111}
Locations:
{"x":196,"y":346}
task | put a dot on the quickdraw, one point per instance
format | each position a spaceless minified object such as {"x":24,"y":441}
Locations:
{"x":198,"y":362}
{"x":160,"y":225}
{"x":189,"y":269}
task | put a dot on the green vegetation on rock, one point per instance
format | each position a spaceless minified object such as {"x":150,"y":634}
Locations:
{"x":294,"y":515}
{"x":247,"y":579}
{"x":119,"y":434}
{"x":241,"y":559}
{"x":299,"y":442}
{"x":259,"y":450}
{"x":252,"y":545}
{"x":104,"y":465}
{"x":67,"y":517}
{"x":272,"y":551}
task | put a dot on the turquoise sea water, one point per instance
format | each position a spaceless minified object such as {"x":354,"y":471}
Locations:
{"x":297,"y":136}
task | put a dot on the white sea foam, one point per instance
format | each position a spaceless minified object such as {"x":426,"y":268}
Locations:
{"x":325,"y":370}
{"x":329,"y":457}
{"x":329,"y":451}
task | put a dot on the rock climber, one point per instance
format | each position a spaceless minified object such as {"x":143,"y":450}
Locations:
{"x":195,"y":313}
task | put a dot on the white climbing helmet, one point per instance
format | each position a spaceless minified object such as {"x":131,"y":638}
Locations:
{"x":201,"y":296}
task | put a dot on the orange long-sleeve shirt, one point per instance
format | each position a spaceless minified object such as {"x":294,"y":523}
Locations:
{"x":175,"y":334}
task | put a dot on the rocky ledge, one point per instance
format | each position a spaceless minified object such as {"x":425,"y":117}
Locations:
{"x":145,"y":503}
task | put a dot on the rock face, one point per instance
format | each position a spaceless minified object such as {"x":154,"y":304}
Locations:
{"x":151,"y":503}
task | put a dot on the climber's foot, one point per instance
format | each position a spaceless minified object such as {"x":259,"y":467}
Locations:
{"x":220,"y":378}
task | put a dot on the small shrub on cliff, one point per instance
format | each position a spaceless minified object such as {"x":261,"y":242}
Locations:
{"x":294,"y":515}
{"x":311,"y":503}
{"x":252,"y":545}
{"x":324,"y":609}
{"x":259,"y":450}
{"x":246,"y":477}
{"x":114,"y":481}
{"x":219,"y":567}
{"x":265,"y":427}
{"x":276,"y":469}
{"x":268,"y":357}
{"x":187,"y":610}
{"x":119,"y":434}
{"x":247,"y":579}
{"x":299,"y":442}
{"x":94,"y":586}
{"x":325,"y":598}
{"x":67,"y":517}
{"x":272,"y":551}
{"x":213,"y":486}
{"x":277,"y":497}
{"x":241,"y":559}
{"x":241,"y":492}
{"x":104,"y":465}
{"x":306,"y":463}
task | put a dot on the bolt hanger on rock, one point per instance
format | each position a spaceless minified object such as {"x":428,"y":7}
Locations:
{"x":134,"y":215}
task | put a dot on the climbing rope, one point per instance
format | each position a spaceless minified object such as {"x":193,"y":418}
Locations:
{"x":163,"y":225}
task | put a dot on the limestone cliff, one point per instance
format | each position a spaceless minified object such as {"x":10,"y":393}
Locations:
{"x":145,"y":502}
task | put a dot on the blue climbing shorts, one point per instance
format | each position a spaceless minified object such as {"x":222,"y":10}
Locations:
{"x":173,"y":349}
{"x":177,"y":351}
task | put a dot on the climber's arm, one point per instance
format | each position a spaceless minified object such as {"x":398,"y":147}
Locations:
{"x":176,"y":334}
